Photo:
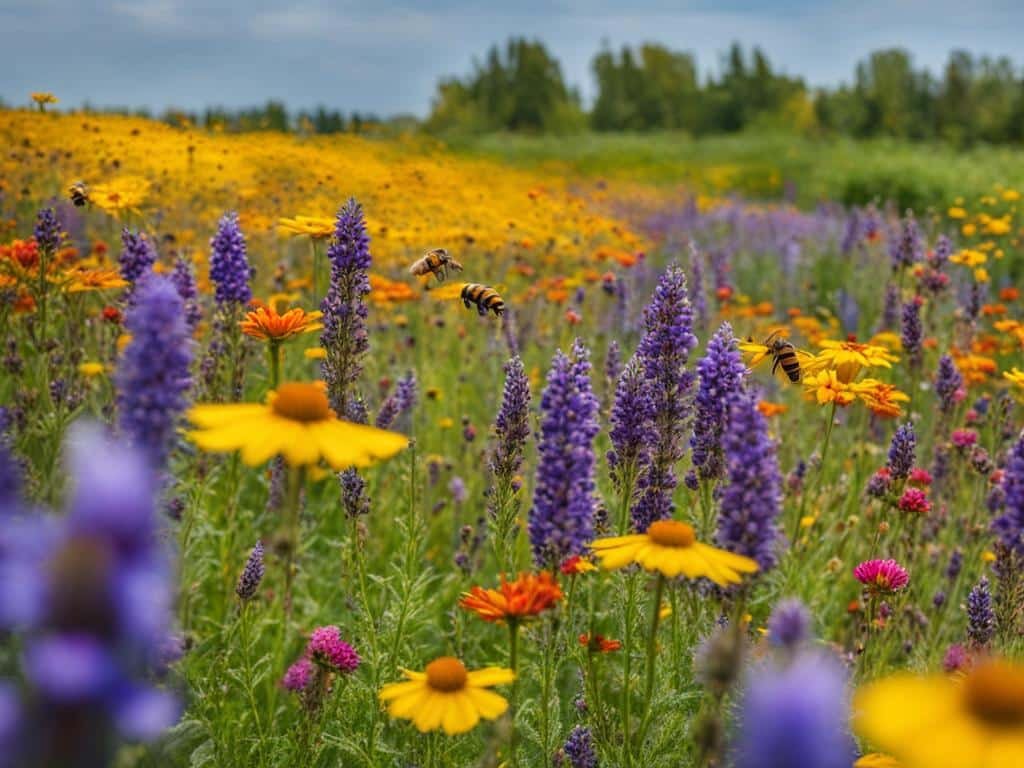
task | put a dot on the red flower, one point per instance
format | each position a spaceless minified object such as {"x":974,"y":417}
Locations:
{"x":599,"y":643}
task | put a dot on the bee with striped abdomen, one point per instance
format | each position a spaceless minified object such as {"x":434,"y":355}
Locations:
{"x":783,"y":355}
{"x":484,"y":297}
{"x":436,"y":262}
{"x":79,"y":193}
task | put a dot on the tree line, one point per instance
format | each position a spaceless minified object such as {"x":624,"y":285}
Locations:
{"x":520,"y":87}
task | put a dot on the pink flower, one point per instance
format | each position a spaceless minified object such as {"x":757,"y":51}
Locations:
{"x":964,"y":438}
{"x":914,"y":500}
{"x":956,"y":659}
{"x":328,"y":649}
{"x":920,"y":477}
{"x":297,"y":677}
{"x":881,"y":575}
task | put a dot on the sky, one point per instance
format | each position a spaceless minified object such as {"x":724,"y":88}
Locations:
{"x":386,"y":56}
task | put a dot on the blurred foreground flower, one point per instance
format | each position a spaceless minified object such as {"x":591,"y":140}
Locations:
{"x":447,"y":696}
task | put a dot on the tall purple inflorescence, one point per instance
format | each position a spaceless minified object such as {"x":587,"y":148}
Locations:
{"x":902,"y":452}
{"x":561,"y":522}
{"x":981,"y":619}
{"x":948,"y":382}
{"x":630,"y":425}
{"x":700,"y":302}
{"x":512,"y":425}
{"x":251,"y":576}
{"x":906,"y":250}
{"x":402,"y":400}
{"x":47,"y":231}
{"x":890,"y":319}
{"x":229,"y":265}
{"x":1009,"y":526}
{"x":153,"y":373}
{"x":721,"y":373}
{"x":344,"y":309}
{"x":136,"y":259}
{"x":579,"y":748}
{"x":663,"y":353}
{"x":911,"y":332}
{"x":752,"y":496}
{"x":184,"y":280}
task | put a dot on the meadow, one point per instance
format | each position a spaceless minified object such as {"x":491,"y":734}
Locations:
{"x":270,"y":499}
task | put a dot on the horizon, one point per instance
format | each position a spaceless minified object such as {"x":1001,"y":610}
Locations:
{"x":191,"y":57}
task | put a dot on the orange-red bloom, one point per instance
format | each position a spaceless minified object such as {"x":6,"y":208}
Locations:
{"x":527,"y":596}
{"x":576,"y":564}
{"x":599,"y":643}
{"x":266,"y":324}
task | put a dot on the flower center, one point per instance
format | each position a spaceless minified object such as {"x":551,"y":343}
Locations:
{"x":301,"y":402}
{"x":671,"y":533}
{"x":994,"y":693}
{"x":446,"y":674}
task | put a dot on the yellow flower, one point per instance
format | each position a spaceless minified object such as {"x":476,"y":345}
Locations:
{"x":91,"y":369}
{"x":826,"y":387}
{"x":883,"y":399}
{"x":665,"y":610}
{"x":956,"y":212}
{"x":988,"y":556}
{"x":123,"y":341}
{"x":317,"y":227}
{"x":1015,"y":376}
{"x":981,"y":275}
{"x":671,"y":548}
{"x":998,"y":227}
{"x":1011,"y":195}
{"x":43,"y":97}
{"x":126,"y":193}
{"x":968,"y":230}
{"x":445,"y":422}
{"x":447,"y":696}
{"x":847,"y":358}
{"x":876,"y":760}
{"x":807,"y":521}
{"x":266,"y":324}
{"x":969,"y":257}
{"x":298,"y":424}
{"x":93,"y":280}
{"x":976,"y":721}
{"x":315,"y":353}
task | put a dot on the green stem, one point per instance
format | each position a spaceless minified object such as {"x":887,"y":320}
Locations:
{"x":296,"y":479}
{"x":627,"y":755}
{"x":274,"y":353}
{"x":651,"y":652}
{"x":545,"y":698}
{"x":513,"y":664}
{"x":820,"y":474}
{"x":243,"y":619}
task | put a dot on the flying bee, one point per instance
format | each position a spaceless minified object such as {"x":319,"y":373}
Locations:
{"x":436,"y":262}
{"x":783,"y":354}
{"x":79,"y":193}
{"x":485,"y":298}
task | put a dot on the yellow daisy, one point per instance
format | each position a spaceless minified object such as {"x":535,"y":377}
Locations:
{"x":847,"y":358}
{"x":80,"y":280}
{"x":671,"y":548}
{"x":1015,"y":376}
{"x":296,"y":423}
{"x":976,"y":721}
{"x":446,"y":696}
{"x":317,"y":227}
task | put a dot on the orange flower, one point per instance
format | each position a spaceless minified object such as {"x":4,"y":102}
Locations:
{"x":527,"y":596}
{"x":768,"y":409}
{"x":883,"y":399}
{"x":599,"y":643}
{"x":266,"y":324}
{"x":93,"y":280}
{"x":1009,"y":294}
{"x":826,"y":387}
{"x":576,"y":565}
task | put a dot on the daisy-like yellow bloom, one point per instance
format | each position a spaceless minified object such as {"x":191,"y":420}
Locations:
{"x":80,"y":280}
{"x":848,"y":358}
{"x":883,"y":399}
{"x":91,"y":369}
{"x":42,"y":98}
{"x":447,"y":696}
{"x":973,"y":721}
{"x":956,"y":212}
{"x":265,"y":324}
{"x":124,"y":194}
{"x":671,"y":548}
{"x":969,"y":257}
{"x":314,"y":353}
{"x":826,"y":387}
{"x":876,"y":760}
{"x":317,"y":227}
{"x":296,"y":423}
{"x":1015,"y":376}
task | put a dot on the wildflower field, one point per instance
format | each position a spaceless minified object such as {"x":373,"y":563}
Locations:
{"x":626,"y":475}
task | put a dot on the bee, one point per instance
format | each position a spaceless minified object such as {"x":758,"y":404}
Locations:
{"x":436,"y":262}
{"x":79,"y":193}
{"x":784,"y":355}
{"x":485,"y":298}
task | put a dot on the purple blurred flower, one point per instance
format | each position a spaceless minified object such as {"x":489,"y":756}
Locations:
{"x":252,"y":574}
{"x":153,"y":373}
{"x":911,"y":332}
{"x":136,"y":259}
{"x":344,"y":308}
{"x":663,"y":353}
{"x":354,"y":498}
{"x":948,"y":382}
{"x":956,"y":658}
{"x":10,"y":476}
{"x":902,"y":452}
{"x":401,"y":400}
{"x":981,"y":619}
{"x":457,"y":488}
{"x":906,"y":250}
{"x":721,"y":373}
{"x":326,"y":647}
{"x":184,"y":280}
{"x":1009,"y":526}
{"x":229,"y":264}
{"x":891,"y":309}
{"x":700,"y":302}
{"x":47,"y":231}
{"x":561,"y":522}
{"x":297,"y":676}
{"x":796,"y":717}
{"x":750,"y":501}
{"x":579,"y":748}
{"x":789,"y":624}
{"x":612,"y":362}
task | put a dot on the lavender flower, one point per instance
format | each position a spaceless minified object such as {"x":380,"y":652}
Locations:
{"x":10,"y":476}
{"x":911,"y":332}
{"x":956,"y":562}
{"x":948,"y":382}
{"x":796,"y":717}
{"x":402,"y":400}
{"x":344,"y":309}
{"x":942,"y":251}
{"x":229,"y":265}
{"x":561,"y":522}
{"x":1009,"y":526}
{"x":354,"y":499}
{"x":902,"y":452}
{"x":579,"y":748}
{"x":981,"y":621}
{"x":721,"y":373}
{"x":630,"y":425}
{"x":663,"y":352}
{"x":751,"y":498}
{"x":891,"y":309}
{"x":852,"y":232}
{"x":789,"y":624}
{"x":907,"y":249}
{"x":185,"y":281}
{"x":48,"y":232}
{"x":512,"y":426}
{"x":612,"y":363}
{"x":153,"y":373}
{"x":700,"y":302}
{"x":252,"y":574}
{"x":136,"y":259}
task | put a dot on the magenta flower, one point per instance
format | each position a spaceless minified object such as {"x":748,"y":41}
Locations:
{"x":327,"y":648}
{"x":914,"y":500}
{"x":964,"y":438}
{"x":297,"y":677}
{"x":881,"y":575}
{"x":920,"y":477}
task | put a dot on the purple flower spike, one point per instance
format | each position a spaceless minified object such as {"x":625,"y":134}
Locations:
{"x":721,"y":373}
{"x":229,"y":264}
{"x":1009,"y":526}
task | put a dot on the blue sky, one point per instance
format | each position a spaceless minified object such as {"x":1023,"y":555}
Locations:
{"x":386,"y":56}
